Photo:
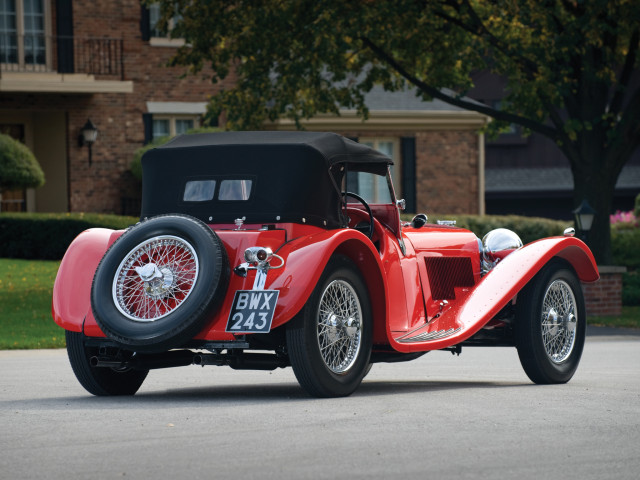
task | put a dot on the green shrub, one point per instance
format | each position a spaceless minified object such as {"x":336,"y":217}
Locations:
{"x":636,"y":210}
{"x":42,"y":236}
{"x":625,"y":247}
{"x":631,"y":288}
{"x":527,"y":228}
{"x":19,"y":168}
{"x":47,"y":236}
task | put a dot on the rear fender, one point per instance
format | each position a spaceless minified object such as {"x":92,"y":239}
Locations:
{"x":469,"y":314}
{"x":306,"y":259}
{"x":72,"y":287}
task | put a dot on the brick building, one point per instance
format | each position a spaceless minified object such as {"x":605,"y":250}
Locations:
{"x":66,"y":61}
{"x":437,"y":149}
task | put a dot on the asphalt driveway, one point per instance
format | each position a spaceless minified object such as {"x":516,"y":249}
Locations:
{"x":473,"y":416}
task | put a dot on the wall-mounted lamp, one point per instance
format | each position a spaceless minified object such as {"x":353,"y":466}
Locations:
{"x":88,"y":135}
{"x":584,"y":217}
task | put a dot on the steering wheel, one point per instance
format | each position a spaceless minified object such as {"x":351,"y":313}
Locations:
{"x":369,"y":231}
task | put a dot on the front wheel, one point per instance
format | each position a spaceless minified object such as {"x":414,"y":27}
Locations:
{"x":329,"y":341}
{"x":100,"y":381}
{"x":551,"y":324}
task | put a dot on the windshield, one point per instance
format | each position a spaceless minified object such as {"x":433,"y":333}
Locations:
{"x":373,"y":188}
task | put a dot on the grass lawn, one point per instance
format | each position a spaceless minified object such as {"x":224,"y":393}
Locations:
{"x":25,"y":307}
{"x":630,"y":318}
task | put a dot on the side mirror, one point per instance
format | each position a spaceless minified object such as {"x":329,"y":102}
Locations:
{"x":419,"y":220}
{"x":401,"y":204}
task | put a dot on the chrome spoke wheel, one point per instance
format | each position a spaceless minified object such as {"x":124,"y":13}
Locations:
{"x":339,"y":326}
{"x":155,"y":278}
{"x":329,"y":342}
{"x":559,"y":319}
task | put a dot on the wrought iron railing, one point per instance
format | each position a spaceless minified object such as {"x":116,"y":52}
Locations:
{"x":42,"y":53}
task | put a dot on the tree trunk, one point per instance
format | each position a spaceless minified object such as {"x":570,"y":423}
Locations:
{"x":597,"y":186}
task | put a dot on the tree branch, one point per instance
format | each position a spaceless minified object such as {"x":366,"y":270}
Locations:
{"x":482,"y":31}
{"x":456,"y":101}
{"x":572,"y":8}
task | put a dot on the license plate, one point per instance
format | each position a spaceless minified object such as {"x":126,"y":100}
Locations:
{"x":252,"y":311}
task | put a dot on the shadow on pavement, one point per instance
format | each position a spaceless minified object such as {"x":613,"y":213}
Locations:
{"x":246,"y":395}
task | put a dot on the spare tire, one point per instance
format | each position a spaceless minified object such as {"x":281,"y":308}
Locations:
{"x":158,"y":284}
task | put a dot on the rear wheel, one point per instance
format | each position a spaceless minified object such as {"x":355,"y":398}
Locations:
{"x":329,"y":342}
{"x":99,"y":380}
{"x":551,"y":324}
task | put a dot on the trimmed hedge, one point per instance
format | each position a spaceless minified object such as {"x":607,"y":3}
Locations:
{"x":527,"y":228}
{"x":625,"y":246}
{"x":631,"y":288}
{"x":43,"y":236}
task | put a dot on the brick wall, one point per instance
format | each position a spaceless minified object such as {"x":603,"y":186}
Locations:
{"x":447,"y":171}
{"x":446,"y":168}
{"x":446,"y":161}
{"x":118,"y":117}
{"x":604,"y":297}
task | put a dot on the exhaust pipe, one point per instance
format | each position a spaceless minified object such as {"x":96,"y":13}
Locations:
{"x":182,"y":358}
{"x":176,"y":358}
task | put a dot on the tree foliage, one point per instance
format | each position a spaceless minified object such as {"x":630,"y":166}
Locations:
{"x":570,"y":67}
{"x":19,"y":168}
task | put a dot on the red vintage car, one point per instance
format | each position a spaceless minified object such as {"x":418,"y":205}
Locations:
{"x":260,"y":250}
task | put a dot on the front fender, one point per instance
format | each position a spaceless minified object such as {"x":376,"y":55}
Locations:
{"x":72,"y":287}
{"x":497,"y":288}
{"x":517,"y":269}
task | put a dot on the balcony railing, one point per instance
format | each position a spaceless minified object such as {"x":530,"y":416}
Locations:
{"x":43,"y":53}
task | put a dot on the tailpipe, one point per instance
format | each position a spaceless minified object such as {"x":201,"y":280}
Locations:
{"x":175,"y":358}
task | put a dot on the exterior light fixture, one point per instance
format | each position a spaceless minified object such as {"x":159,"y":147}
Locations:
{"x":88,"y":136}
{"x":584,"y":215}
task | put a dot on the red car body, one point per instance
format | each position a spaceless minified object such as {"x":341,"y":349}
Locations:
{"x":426,"y":285}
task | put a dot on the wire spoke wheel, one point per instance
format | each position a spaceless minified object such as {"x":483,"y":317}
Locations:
{"x":550,"y":325}
{"x":339,"y":326}
{"x":329,"y":342}
{"x":159,"y":282}
{"x":155,"y":278}
{"x":559,"y":320}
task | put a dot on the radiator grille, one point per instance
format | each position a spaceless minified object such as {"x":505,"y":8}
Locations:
{"x":446,"y":273}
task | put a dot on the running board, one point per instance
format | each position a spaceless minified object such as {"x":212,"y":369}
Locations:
{"x":427,"y":336}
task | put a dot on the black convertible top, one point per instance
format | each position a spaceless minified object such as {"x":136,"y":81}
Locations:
{"x":294,"y":176}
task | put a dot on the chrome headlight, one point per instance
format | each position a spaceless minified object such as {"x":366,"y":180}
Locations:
{"x":496,"y":245}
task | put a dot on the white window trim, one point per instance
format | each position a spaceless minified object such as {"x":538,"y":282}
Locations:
{"x":165,"y":40}
{"x":177,"y":108}
{"x":172,"y":121}
{"x":46,"y":8}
